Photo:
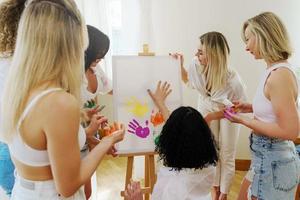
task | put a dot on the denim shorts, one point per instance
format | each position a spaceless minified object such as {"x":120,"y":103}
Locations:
{"x":7,"y":178}
{"x":276,"y":168}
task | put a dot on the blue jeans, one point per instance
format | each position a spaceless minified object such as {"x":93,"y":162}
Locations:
{"x":276,"y":167}
{"x":7,"y":178}
{"x":298,"y":149}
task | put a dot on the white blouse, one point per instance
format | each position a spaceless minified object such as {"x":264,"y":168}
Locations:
{"x":104,"y":85}
{"x":233,"y":91}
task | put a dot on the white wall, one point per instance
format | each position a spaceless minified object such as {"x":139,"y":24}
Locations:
{"x":177,"y":24}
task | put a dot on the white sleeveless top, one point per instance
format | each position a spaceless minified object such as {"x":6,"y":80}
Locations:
{"x":28,"y":155}
{"x":186,"y":184}
{"x":262,"y":107}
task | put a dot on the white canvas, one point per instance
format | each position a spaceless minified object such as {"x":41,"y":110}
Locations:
{"x":132,"y":76}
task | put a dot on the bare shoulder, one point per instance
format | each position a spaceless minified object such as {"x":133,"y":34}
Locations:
{"x":282,"y":76}
{"x":282,"y":73}
{"x":62,"y":100}
{"x":60,"y":103}
{"x":282,"y":81}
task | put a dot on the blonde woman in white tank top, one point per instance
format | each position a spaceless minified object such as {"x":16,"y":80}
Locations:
{"x":275,"y":166}
{"x":41,"y":108}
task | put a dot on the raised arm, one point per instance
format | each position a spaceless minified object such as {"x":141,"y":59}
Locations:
{"x":61,"y":129}
{"x":184,"y":74}
{"x":159,"y":97}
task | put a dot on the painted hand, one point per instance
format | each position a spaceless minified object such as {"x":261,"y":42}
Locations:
{"x":137,"y":107}
{"x":156,"y":118}
{"x":138,"y":130}
{"x":235,"y":118}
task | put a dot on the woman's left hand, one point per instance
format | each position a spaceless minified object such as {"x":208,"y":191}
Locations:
{"x":161,"y":93}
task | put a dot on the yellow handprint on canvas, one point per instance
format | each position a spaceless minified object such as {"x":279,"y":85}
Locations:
{"x":137,"y":108}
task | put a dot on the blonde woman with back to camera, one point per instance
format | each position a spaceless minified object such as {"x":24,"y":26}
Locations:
{"x":41,"y":105}
{"x":275,"y":165}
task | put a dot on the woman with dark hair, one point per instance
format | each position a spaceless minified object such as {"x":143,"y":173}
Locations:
{"x":188,"y":151}
{"x":10,"y":13}
{"x":95,"y":82}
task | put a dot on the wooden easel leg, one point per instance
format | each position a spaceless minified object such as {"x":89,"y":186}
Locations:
{"x":151,"y":171}
{"x":128,"y":171}
{"x":147,"y":178}
{"x":298,"y":193}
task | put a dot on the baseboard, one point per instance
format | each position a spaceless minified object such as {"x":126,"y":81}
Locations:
{"x":242,"y":165}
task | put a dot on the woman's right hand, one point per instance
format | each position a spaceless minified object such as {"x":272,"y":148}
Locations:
{"x":178,"y":56}
{"x":116,"y":133}
{"x":184,"y":74}
{"x":242,"y":107}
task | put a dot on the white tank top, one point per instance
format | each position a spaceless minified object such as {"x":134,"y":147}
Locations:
{"x":28,"y":155}
{"x":262,"y":107}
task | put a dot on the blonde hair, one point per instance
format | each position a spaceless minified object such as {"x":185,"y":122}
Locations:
{"x":217,"y":52}
{"x":50,"y":46}
{"x":272,"y":40}
{"x":10,"y":13}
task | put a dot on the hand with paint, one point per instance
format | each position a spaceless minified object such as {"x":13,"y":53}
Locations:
{"x":137,"y":107}
{"x":159,"y":96}
{"x":138,"y":130}
{"x":97,"y":121}
{"x":108,"y":130}
{"x":90,"y":104}
{"x":114,"y":134}
{"x":230,"y":110}
{"x":157,"y":118}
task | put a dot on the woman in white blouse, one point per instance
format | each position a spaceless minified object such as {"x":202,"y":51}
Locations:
{"x":218,"y":87}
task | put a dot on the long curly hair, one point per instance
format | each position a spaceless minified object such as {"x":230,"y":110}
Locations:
{"x":10,"y":14}
{"x":186,"y":141}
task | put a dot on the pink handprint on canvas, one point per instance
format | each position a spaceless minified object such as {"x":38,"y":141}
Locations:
{"x":138,"y":130}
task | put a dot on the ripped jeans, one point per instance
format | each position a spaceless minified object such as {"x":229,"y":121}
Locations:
{"x":276,"y":168}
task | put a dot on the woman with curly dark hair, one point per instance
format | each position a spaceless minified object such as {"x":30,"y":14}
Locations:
{"x":10,"y":13}
{"x":188,"y":151}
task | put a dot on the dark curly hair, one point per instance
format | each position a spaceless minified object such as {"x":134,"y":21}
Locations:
{"x":98,"y":46}
{"x":10,"y":14}
{"x":186,"y":141}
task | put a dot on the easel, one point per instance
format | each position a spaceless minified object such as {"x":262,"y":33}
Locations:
{"x":150,"y":177}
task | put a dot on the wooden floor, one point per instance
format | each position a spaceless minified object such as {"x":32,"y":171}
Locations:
{"x":111,"y":178}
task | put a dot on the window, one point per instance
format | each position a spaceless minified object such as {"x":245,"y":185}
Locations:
{"x":115,"y":17}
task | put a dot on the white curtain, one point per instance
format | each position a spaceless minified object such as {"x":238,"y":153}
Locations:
{"x":128,"y":29}
{"x":96,"y":13}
